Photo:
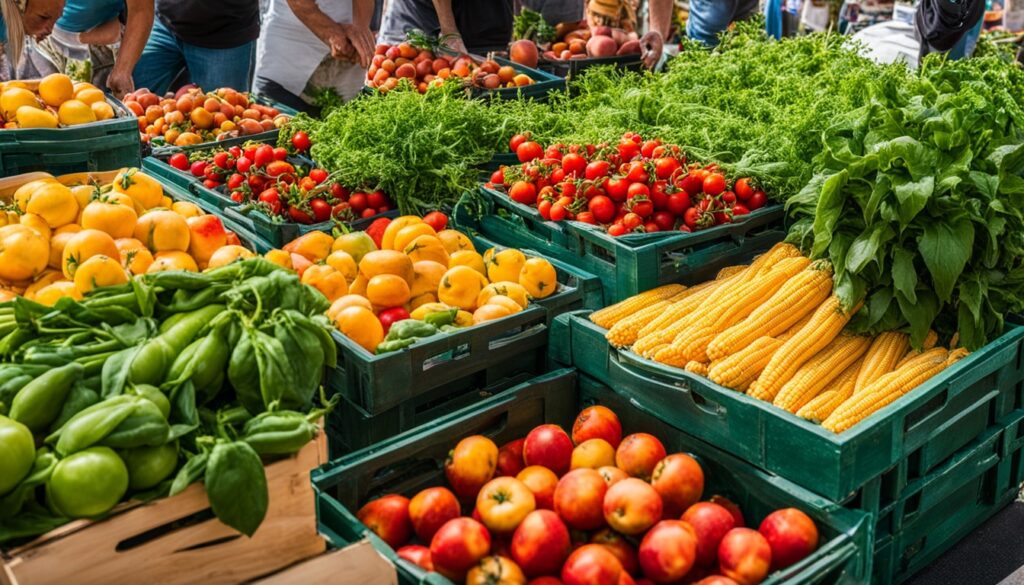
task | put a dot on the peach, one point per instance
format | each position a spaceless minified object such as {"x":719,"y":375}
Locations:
{"x":601,"y":46}
{"x":631,"y":506}
{"x":542,"y":482}
{"x":679,"y":481}
{"x":791,"y":534}
{"x":668,"y":551}
{"x":430,"y":509}
{"x":744,"y":556}
{"x":524,"y":52}
{"x":580,"y":498}
{"x":388,"y":518}
{"x":639,"y":454}
{"x":710,"y":522}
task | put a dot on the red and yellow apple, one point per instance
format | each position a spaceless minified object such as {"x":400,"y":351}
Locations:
{"x":668,"y":550}
{"x":458,"y":546}
{"x":388,"y":518}
{"x":619,"y":546}
{"x":430,"y":509}
{"x":495,"y":570}
{"x":631,"y":506}
{"x":710,"y":522}
{"x":548,"y":446}
{"x":542,"y":482}
{"x":597,"y":422}
{"x":679,"y":481}
{"x":416,"y":554}
{"x":541,"y":543}
{"x":580,"y":498}
{"x":592,"y":454}
{"x":471,"y":464}
{"x":744,"y":556}
{"x":510,"y":458}
{"x":592,"y":564}
{"x":638,"y":455}
{"x":791,"y":534}
{"x":503,"y":502}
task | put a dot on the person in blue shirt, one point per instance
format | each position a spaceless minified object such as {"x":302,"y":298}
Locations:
{"x":708,"y":18}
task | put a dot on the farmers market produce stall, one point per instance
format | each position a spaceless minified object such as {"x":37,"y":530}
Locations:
{"x":753,"y":319}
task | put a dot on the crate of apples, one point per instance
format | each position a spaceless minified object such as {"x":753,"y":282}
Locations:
{"x":585,"y":507}
{"x":424,"y":68}
{"x":192,"y":116}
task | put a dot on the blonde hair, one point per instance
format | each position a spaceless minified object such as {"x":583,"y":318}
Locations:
{"x":13,"y":11}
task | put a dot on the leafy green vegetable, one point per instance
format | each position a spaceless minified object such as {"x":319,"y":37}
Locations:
{"x":530,"y":25}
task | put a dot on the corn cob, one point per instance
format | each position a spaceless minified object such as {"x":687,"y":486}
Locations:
{"x":609,"y":316}
{"x":679,"y":316}
{"x":954,"y":341}
{"x":798,"y":297}
{"x":956,"y":355}
{"x":818,"y":373}
{"x":669,"y":316}
{"x":767,"y":261}
{"x":929,"y":342}
{"x":828,"y":321}
{"x":886,"y":390}
{"x":789,"y":333}
{"x":624,"y":333}
{"x":699,"y":368}
{"x":728,"y":309}
{"x":743,"y":367}
{"x":822,"y":405}
{"x":885,"y":352}
{"x":730,"y":271}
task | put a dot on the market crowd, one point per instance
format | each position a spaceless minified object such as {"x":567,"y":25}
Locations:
{"x":289,"y":50}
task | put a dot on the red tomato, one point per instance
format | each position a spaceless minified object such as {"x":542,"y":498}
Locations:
{"x":235,"y":181}
{"x":616,"y":229}
{"x":567,"y":189}
{"x":280,"y":153}
{"x":221,"y":160}
{"x":664,"y":167}
{"x":574,"y":165}
{"x":664,"y":220}
{"x":638,"y":190}
{"x":651,"y":227}
{"x":272,"y":199}
{"x":321,"y":209}
{"x":389,"y":317}
{"x":659,"y":196}
{"x":757,"y":200}
{"x":728,"y":198}
{"x":528,"y":151}
{"x":211,"y":183}
{"x":722,"y":217}
{"x":544,"y":207}
{"x":523,"y":192}
{"x":602,"y":207}
{"x":632,"y":221}
{"x":558,"y":211}
{"x":198,"y":168}
{"x":691,"y":217}
{"x":553,"y":152}
{"x":278,"y":168}
{"x":318,"y":175}
{"x":516,"y":140}
{"x":586,"y":217}
{"x":743,"y":189}
{"x":678,"y":202}
{"x":341,"y":210}
{"x":300,"y":140}
{"x":436,"y":220}
{"x":307,"y":184}
{"x":714,"y":184}
{"x":498,"y":177}
{"x":641,"y":206}
{"x":238,"y":196}
{"x":235,"y":151}
{"x":693,"y":182}
{"x":638,"y":172}
{"x":368,"y":213}
{"x":628,"y":149}
{"x":299,"y":216}
{"x":263,"y":156}
{"x":243,"y":164}
{"x":179,"y":161}
{"x":358,"y":202}
{"x":557,"y":175}
{"x":339,"y":192}
{"x":378,"y":199}
{"x":597,"y":169}
{"x":739,"y":209}
{"x":647,"y":150}
{"x":617,"y":189}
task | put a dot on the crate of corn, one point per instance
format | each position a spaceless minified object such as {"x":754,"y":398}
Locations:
{"x":758,"y":362}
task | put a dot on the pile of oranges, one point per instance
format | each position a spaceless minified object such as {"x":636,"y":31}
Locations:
{"x":66,"y":236}
{"x":195,"y":117}
{"x":51,"y":102}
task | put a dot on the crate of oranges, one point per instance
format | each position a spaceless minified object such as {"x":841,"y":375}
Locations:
{"x":59,"y":126}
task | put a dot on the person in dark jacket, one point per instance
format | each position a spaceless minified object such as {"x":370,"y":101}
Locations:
{"x":214,"y":41}
{"x":949,"y":26}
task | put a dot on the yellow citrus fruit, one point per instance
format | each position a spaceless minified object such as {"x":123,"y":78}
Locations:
{"x":50,"y":294}
{"x":55,"y":203}
{"x":134,"y":256}
{"x":56,"y":88}
{"x":74,"y":112}
{"x":109,"y":216}
{"x":90,"y":95}
{"x":84,"y":245}
{"x":102,"y":110}
{"x":173,"y":260}
{"x":23,"y":253}
{"x":227,"y":255}
{"x":14,"y":98}
{"x":79,"y":86}
{"x":145,"y":190}
{"x":31,"y":117}
{"x":99,"y":271}
{"x":163,"y":230}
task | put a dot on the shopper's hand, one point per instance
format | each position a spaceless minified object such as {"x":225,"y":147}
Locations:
{"x":353,"y":43}
{"x":651,"y":46}
{"x":120,"y":82}
{"x":455,"y":43}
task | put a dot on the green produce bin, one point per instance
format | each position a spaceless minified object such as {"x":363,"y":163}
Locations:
{"x":415,"y":460}
{"x":629,"y":264}
{"x":868,"y":466}
{"x":100,"y":146}
{"x":391,"y":393}
{"x":570,"y":68}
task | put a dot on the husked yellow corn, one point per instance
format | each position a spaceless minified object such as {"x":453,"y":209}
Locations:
{"x":678,"y":317}
{"x":669,"y":316}
{"x":610,"y":315}
{"x":930,"y":341}
{"x":956,"y":355}
{"x":699,"y":368}
{"x":788,"y":333}
{"x":797,"y":298}
{"x":730,"y":271}
{"x":885,"y":352}
{"x":767,"y":261}
{"x":670,"y":355}
{"x":826,"y":324}
{"x":886,"y":390}
{"x":738,"y":370}
{"x":624,"y":333}
{"x":688,"y":345}
{"x":818,"y":373}
{"x":822,"y":405}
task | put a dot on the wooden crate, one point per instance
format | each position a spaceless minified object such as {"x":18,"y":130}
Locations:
{"x":178,"y":540}
{"x":356,"y":563}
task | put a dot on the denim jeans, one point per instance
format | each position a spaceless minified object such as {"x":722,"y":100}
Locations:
{"x":965,"y":46}
{"x":165,"y":56}
{"x":710,"y":17}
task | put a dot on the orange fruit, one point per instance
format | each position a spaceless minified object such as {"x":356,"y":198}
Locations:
{"x":387,"y":290}
{"x":361,"y":326}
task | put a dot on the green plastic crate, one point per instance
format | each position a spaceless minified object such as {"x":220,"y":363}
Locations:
{"x":869,"y":464}
{"x":100,"y":146}
{"x":629,"y":264}
{"x":415,"y":460}
{"x":945,"y":506}
{"x":573,"y":67}
{"x":473,"y":357}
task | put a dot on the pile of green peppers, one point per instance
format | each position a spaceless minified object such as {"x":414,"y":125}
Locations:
{"x":138,"y":391}
{"x":408,"y":331}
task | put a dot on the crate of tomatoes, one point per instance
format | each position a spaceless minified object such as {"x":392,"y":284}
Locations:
{"x":520,"y":487}
{"x":637,"y":213}
{"x":192,"y":116}
{"x":424,"y":62}
{"x":276,"y":192}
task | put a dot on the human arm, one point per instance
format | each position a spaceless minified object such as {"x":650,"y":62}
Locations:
{"x":446,"y":18}
{"x":343,"y":39}
{"x":659,"y":24}
{"x":136,"y":33}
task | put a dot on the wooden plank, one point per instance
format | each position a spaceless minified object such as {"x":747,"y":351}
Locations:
{"x":356,"y":563}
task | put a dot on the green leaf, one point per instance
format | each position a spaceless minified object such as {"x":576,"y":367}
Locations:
{"x":236,"y":486}
{"x":946,"y":247}
{"x":829,"y":211}
{"x":913,"y":196}
{"x":904,"y":276}
{"x":864,"y":248}
{"x":919,"y":315}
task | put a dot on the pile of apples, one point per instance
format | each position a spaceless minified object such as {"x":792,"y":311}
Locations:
{"x":424,"y":69}
{"x":593,"y":509}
